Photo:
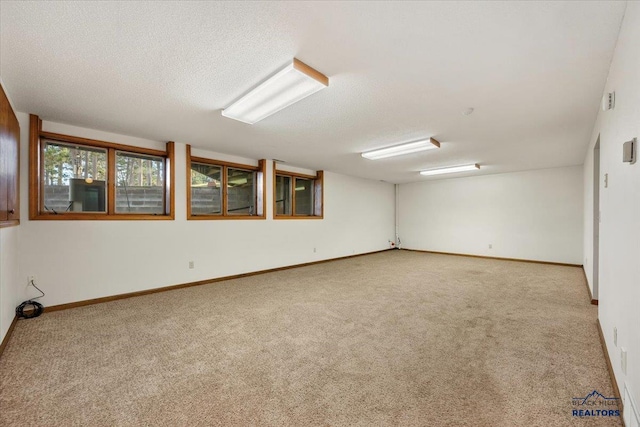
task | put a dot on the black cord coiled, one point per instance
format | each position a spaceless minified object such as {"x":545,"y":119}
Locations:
{"x":30,"y":308}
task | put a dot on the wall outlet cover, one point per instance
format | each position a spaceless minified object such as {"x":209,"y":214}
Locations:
{"x":629,"y":150}
{"x":608,"y":101}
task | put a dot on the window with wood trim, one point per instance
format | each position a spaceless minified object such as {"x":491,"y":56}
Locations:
{"x":224,"y":190}
{"x":77,"y":178}
{"x":297,"y":196}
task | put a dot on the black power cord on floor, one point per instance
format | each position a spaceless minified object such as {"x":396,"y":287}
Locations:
{"x":30,"y":308}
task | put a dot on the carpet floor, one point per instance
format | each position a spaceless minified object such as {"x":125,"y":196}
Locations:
{"x":394,"y":338}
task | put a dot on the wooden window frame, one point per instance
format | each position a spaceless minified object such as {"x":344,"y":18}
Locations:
{"x":36,"y":167}
{"x":261,"y":188}
{"x":318,"y":194}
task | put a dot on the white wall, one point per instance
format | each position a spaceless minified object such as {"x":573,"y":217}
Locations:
{"x":619,"y":278}
{"x":79,"y":260}
{"x":534,"y":215}
{"x":10,"y":290}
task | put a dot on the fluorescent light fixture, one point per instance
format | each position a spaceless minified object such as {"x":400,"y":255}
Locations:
{"x":294,"y":82}
{"x":402,"y":149}
{"x":452,"y":169}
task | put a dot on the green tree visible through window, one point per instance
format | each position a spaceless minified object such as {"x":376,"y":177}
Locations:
{"x":139,"y":183}
{"x":62,"y":162}
{"x":133,"y":170}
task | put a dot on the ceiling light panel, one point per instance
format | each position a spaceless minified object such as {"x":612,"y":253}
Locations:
{"x":402,"y":149}
{"x":294,"y":82}
{"x":453,"y":169}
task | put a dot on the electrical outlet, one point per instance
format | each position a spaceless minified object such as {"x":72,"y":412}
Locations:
{"x":623,"y":359}
{"x":31,"y":279}
{"x":606,"y":180}
{"x":314,"y":250}
{"x":615,"y":336}
{"x":490,"y":246}
{"x":191,"y":265}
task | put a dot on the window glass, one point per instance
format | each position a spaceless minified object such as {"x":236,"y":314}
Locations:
{"x":283,"y":195}
{"x":74,"y":178}
{"x":206,"y":189}
{"x":304,"y":196}
{"x":139,"y":183}
{"x":241,"y":192}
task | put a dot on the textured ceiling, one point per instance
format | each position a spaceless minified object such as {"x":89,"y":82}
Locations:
{"x":533,"y":71}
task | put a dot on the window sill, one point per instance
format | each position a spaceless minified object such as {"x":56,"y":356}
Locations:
{"x":101,"y":217}
{"x":220,"y":217}
{"x":285,"y":217}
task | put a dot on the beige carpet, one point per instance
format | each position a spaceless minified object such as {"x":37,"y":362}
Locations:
{"x":395,"y":338}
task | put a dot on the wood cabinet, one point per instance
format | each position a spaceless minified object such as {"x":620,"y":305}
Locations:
{"x":9,"y":164}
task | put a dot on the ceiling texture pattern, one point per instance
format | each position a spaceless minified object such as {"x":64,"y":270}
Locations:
{"x":533,"y":71}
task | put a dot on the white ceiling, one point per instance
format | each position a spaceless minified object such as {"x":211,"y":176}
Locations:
{"x":533,"y":71}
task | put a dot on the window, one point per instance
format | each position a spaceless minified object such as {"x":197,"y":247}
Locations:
{"x":241,"y":192}
{"x":78,"y":178}
{"x":222,"y":190}
{"x":206,"y":189}
{"x":303,"y":196}
{"x":74,"y":178}
{"x":139,"y":183}
{"x":283,"y":195}
{"x":297,"y":196}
